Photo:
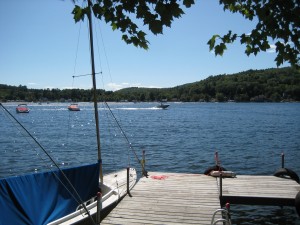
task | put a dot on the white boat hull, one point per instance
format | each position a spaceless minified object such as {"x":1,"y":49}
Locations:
{"x":114,"y":188}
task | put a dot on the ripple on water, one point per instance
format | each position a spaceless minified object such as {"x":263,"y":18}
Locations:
{"x":249,"y":138}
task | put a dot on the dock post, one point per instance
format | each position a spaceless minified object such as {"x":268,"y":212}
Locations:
{"x":282,"y":160}
{"x":143,"y":163}
{"x":297,"y":203}
{"x":128,"y":191}
{"x":222,"y":202}
{"x":217,"y":159}
{"x":99,"y":207}
{"x":221,"y":185}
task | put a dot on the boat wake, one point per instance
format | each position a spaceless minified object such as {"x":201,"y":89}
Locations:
{"x":151,"y":108}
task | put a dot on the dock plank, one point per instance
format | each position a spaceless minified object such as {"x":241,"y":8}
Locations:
{"x":246,"y":185}
{"x":174,"y":199}
{"x":260,"y":190}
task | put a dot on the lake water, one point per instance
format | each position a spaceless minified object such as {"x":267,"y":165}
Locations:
{"x":249,"y":138}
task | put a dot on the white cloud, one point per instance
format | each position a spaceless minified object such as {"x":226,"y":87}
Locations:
{"x":69,"y":87}
{"x":272,"y":49}
{"x":82,"y":86}
{"x":116,"y":87}
{"x":48,"y":87}
{"x":153,"y":86}
{"x":32,"y":84}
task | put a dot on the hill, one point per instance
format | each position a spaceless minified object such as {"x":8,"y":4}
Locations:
{"x":253,"y":85}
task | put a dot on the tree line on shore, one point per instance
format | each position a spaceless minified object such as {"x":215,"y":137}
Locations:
{"x":269,"y":85}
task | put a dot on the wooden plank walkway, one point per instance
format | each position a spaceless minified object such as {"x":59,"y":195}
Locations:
{"x":174,"y":198}
{"x":169,"y":199}
{"x":259,"y":190}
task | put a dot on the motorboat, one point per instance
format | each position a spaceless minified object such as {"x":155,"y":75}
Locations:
{"x":162,"y":106}
{"x":22,"y":108}
{"x":73,"y":107}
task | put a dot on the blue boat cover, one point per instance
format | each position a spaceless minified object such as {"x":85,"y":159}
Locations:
{"x":40,"y":198}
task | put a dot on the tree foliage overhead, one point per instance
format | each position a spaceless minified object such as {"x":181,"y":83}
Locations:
{"x":278,"y":23}
{"x":124,"y":14}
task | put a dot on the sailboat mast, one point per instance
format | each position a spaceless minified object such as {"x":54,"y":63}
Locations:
{"x":94,"y":88}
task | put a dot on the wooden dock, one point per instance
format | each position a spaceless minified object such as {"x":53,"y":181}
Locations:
{"x":176,"y":198}
{"x":168,"y":198}
{"x":259,"y":190}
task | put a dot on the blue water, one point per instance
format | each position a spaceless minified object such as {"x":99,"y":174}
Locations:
{"x":249,"y":138}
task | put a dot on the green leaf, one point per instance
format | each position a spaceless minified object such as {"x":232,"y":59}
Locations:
{"x":248,"y":50}
{"x":98,"y":10}
{"x":135,"y":41}
{"x":265,"y":45}
{"x":188,"y":3}
{"x":107,"y":3}
{"x":144,"y":45}
{"x":141,"y":35}
{"x":212,"y":42}
{"x":114,"y":26}
{"x":176,"y":10}
{"x":155,"y":26}
{"x":279,"y":60}
{"x":125,"y":38}
{"x":227,"y":37}
{"x":233,"y":38}
{"x":245,"y":39}
{"x":219,"y":49}
{"x":78,"y":13}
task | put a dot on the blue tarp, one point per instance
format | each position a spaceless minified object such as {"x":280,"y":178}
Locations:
{"x":40,"y":198}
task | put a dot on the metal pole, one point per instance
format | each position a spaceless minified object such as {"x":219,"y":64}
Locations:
{"x":95,"y":89}
{"x":128,"y":191}
{"x":99,"y":207}
{"x":282,"y":160}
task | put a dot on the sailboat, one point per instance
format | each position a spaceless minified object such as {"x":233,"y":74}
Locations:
{"x":64,"y":196}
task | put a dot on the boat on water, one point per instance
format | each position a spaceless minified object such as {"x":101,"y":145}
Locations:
{"x":64,"y":196}
{"x":162,"y":106}
{"x":22,"y":108}
{"x":73,"y":107}
{"x":113,"y":190}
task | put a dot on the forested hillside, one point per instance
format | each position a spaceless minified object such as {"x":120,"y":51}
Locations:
{"x":253,"y":85}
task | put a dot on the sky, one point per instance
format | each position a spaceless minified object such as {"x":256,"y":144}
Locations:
{"x":42,"y":47}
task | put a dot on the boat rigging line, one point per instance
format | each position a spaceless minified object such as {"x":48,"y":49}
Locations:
{"x":104,"y":50}
{"x":145,"y":173}
{"x":83,"y":75}
{"x":26,"y":138}
{"x":77,"y":197}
